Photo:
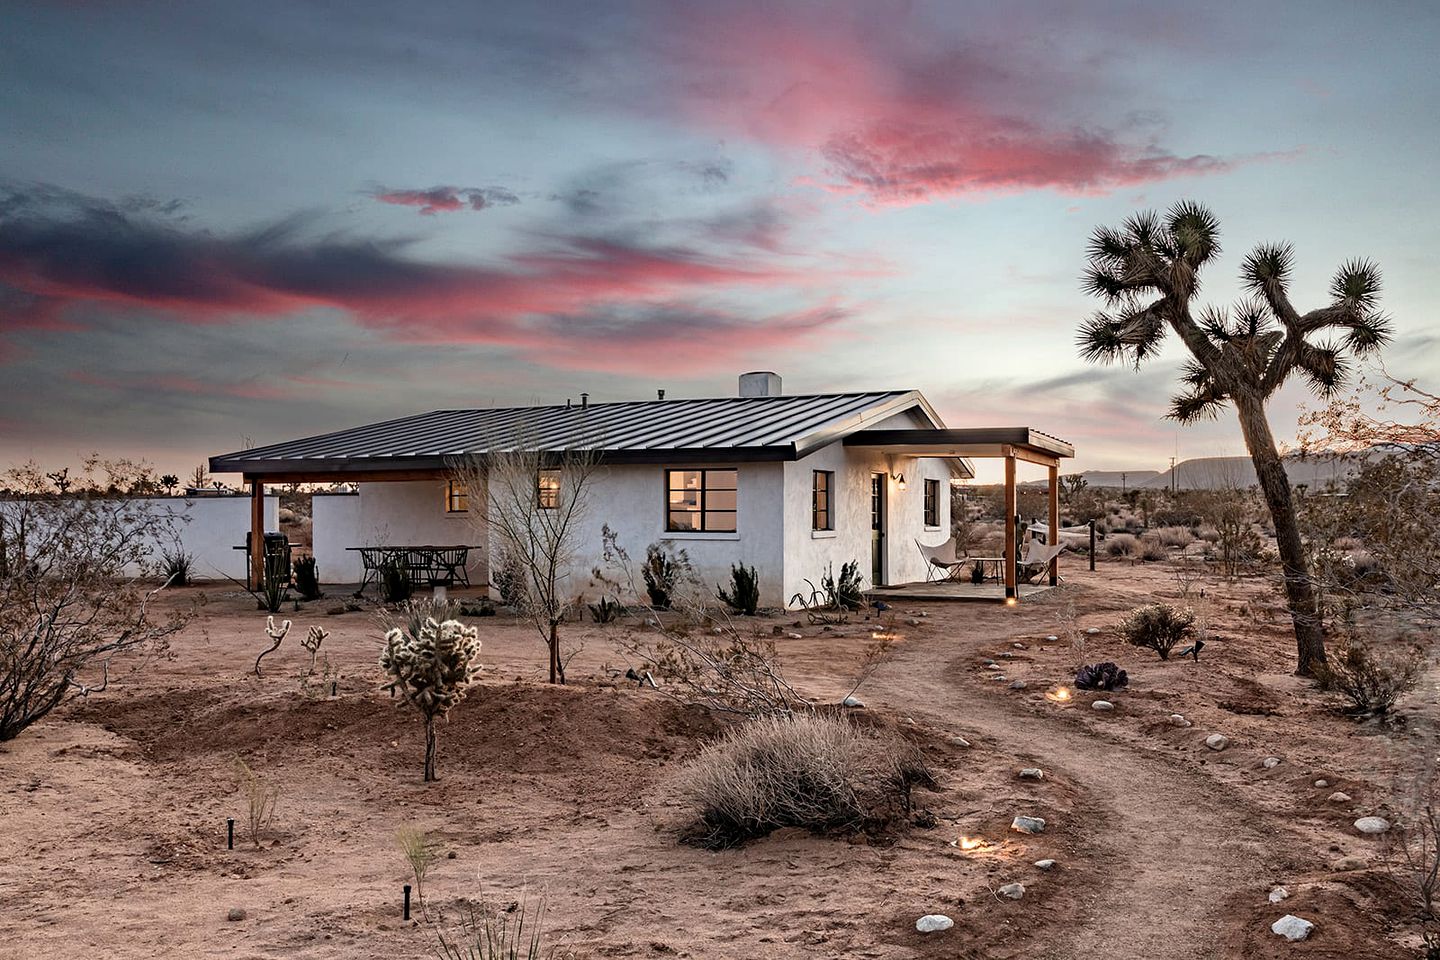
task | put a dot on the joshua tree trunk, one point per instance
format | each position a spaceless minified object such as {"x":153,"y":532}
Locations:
{"x":1275,"y":485}
{"x":430,"y":749}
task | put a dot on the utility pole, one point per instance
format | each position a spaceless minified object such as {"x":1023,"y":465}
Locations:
{"x":1123,"y":475}
{"x":1174,"y":483}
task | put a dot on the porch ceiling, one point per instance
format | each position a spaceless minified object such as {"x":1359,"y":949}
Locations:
{"x":1023,"y":443}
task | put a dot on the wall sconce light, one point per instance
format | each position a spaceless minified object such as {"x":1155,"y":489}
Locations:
{"x":899,"y":479}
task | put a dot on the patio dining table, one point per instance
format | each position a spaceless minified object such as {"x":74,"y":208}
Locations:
{"x":436,"y":565}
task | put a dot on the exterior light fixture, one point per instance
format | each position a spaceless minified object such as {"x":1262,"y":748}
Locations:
{"x":899,"y":479}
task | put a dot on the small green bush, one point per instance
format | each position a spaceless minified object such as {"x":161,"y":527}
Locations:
{"x":177,"y":567}
{"x":663,"y":571}
{"x":395,"y":586}
{"x":606,"y":610}
{"x":1152,"y":548}
{"x":307,"y":579}
{"x":1121,"y":545}
{"x":744,"y":594}
{"x":845,"y":591}
{"x":1159,"y":627}
{"x":509,"y":579}
{"x":1370,"y":678}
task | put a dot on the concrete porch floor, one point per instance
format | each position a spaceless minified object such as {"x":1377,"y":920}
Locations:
{"x":950,"y":590}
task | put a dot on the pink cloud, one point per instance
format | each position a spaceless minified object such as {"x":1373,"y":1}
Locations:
{"x":433,"y":200}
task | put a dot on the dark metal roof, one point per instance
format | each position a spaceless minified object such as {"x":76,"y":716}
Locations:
{"x":720,"y":429}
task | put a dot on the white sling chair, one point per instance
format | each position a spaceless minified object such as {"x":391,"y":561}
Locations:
{"x":1037,"y":558}
{"x":941,"y":563}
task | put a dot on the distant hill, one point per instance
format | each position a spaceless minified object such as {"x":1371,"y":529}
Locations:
{"x":1214,"y":473}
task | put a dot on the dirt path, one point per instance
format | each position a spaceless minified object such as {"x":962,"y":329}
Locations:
{"x":1172,"y":848}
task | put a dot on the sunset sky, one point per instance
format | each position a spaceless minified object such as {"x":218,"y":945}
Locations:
{"x":232,"y":223}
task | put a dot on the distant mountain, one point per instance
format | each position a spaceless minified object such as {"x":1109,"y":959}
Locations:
{"x":1214,"y":473}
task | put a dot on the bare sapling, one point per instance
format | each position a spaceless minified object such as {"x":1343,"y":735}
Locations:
{"x":314,"y":637}
{"x":420,"y":851}
{"x":276,"y":635}
{"x":432,"y":670}
{"x":261,"y":797}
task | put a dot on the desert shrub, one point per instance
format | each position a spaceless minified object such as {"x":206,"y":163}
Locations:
{"x":414,"y":612}
{"x":476,"y":608}
{"x":1151,"y":549}
{"x":177,"y":567}
{"x":663,"y":571}
{"x":432,"y":670}
{"x":395,"y":585}
{"x":977,"y":572}
{"x":1174,"y":536}
{"x":307,"y":579}
{"x":509,"y":579}
{"x":1348,"y":544}
{"x":1121,"y":545}
{"x":744,"y":593}
{"x":420,"y":851}
{"x":1364,"y":566}
{"x":819,"y":773}
{"x":1159,"y":627}
{"x":1370,"y":678}
{"x":1101,"y":676}
{"x":486,"y":932}
{"x":844,"y":591}
{"x":1208,"y":534}
{"x":606,"y":610}
{"x":261,"y":797}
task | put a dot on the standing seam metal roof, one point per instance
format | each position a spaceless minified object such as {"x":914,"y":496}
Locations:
{"x":718,"y":423}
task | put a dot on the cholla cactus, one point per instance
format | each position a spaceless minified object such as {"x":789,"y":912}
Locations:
{"x":313,"y":638}
{"x":276,"y":634}
{"x":432,"y":671}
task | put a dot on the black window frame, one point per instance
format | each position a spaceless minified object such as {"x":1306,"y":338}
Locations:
{"x":703,"y":512}
{"x":456,"y":491}
{"x":932,"y":502}
{"x":828,"y":491}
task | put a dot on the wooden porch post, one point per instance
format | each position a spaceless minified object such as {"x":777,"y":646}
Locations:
{"x":1054,"y":532}
{"x":257,"y":533}
{"x":1012,"y":591}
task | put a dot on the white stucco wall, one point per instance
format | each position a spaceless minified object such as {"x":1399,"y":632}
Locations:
{"x":410,"y":513}
{"x":336,"y":526}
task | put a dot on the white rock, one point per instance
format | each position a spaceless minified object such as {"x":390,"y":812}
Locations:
{"x":1176,"y":720}
{"x":1017,"y":684}
{"x":1102,"y":705}
{"x":1217,"y":741}
{"x":1031,"y":825}
{"x":1322,"y":784}
{"x":934,"y":923}
{"x":1372,"y":824}
{"x":1012,"y":890}
{"x":1093,"y":630}
{"x":1339,"y":796}
{"x":1032,"y":773}
{"x":989,"y":663}
{"x":853,"y":701}
{"x":912,"y":622}
{"x":1271,"y":763}
{"x":794,"y":636}
{"x":959,"y":742}
{"x":998,"y":676}
{"x":1278,"y":894}
{"x":1292,"y":928}
{"x":1018,"y":646}
{"x":1046,"y":864}
{"x":1052,"y":638}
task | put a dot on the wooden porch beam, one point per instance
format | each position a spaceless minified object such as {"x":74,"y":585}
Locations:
{"x":257,"y":533}
{"x":1012,"y":592}
{"x":1054,"y":529}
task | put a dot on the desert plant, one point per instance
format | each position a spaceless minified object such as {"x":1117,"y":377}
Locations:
{"x":1121,"y":545}
{"x":276,"y":635}
{"x":514,"y":932}
{"x":177,"y":567}
{"x":508,"y":578}
{"x":1159,"y":627}
{"x":1152,"y":549}
{"x":261,"y":797}
{"x":821,"y":773}
{"x":977,"y":572}
{"x":844,"y":592}
{"x":476,"y":608}
{"x":663,"y":571}
{"x":1242,"y":356}
{"x":1174,"y":536}
{"x":395,"y":584}
{"x":606,"y":610}
{"x":420,"y":851}
{"x":314,"y":637}
{"x":307,"y":579}
{"x":1371,"y":678}
{"x":433,"y":671}
{"x":744,"y":593}
{"x":1101,"y":676}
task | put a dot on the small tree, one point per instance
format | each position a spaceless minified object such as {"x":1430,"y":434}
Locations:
{"x":1159,"y":627}
{"x":1148,"y":273}
{"x":536,"y":502}
{"x":70,"y":593}
{"x":169,"y":482}
{"x":744,"y":594}
{"x":432,"y":670}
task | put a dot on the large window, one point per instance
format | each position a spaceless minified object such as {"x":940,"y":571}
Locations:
{"x":547,"y":489}
{"x":700,"y":501}
{"x":822,"y":516}
{"x":932,"y":503}
{"x":457,"y":498}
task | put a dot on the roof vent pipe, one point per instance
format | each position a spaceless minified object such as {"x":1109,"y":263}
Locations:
{"x":567,"y":403}
{"x":760,"y":383}
{"x":584,"y":400}
{"x":659,"y":394}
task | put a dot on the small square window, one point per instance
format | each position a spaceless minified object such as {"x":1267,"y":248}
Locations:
{"x":457,"y":499}
{"x":932,"y":503}
{"x":547,"y":489}
{"x":701,"y":501}
{"x":822,"y":515}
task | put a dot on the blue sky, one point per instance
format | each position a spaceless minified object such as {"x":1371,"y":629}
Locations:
{"x":231,"y":223}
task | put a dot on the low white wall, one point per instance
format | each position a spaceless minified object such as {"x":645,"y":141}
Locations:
{"x":335,"y":526}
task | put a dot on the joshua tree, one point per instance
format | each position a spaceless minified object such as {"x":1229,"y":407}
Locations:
{"x":169,"y":482}
{"x":1148,"y":273}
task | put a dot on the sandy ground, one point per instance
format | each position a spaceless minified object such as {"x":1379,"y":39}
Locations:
{"x":112,"y":811}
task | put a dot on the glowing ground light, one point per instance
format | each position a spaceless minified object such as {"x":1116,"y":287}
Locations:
{"x":1058,"y":695}
{"x":1011,"y":601}
{"x":879,"y":635}
{"x":971,"y":843}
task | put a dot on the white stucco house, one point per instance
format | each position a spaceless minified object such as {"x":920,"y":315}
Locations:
{"x":786,"y":484}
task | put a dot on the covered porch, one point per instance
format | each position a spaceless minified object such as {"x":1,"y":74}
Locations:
{"x":1013,"y":445}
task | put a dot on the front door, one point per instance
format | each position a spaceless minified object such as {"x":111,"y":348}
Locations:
{"x":877,"y":529}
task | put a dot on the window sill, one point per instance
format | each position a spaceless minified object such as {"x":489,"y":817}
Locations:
{"x":935,"y":529}
{"x":698,"y":535}
{"x":822,"y":534}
